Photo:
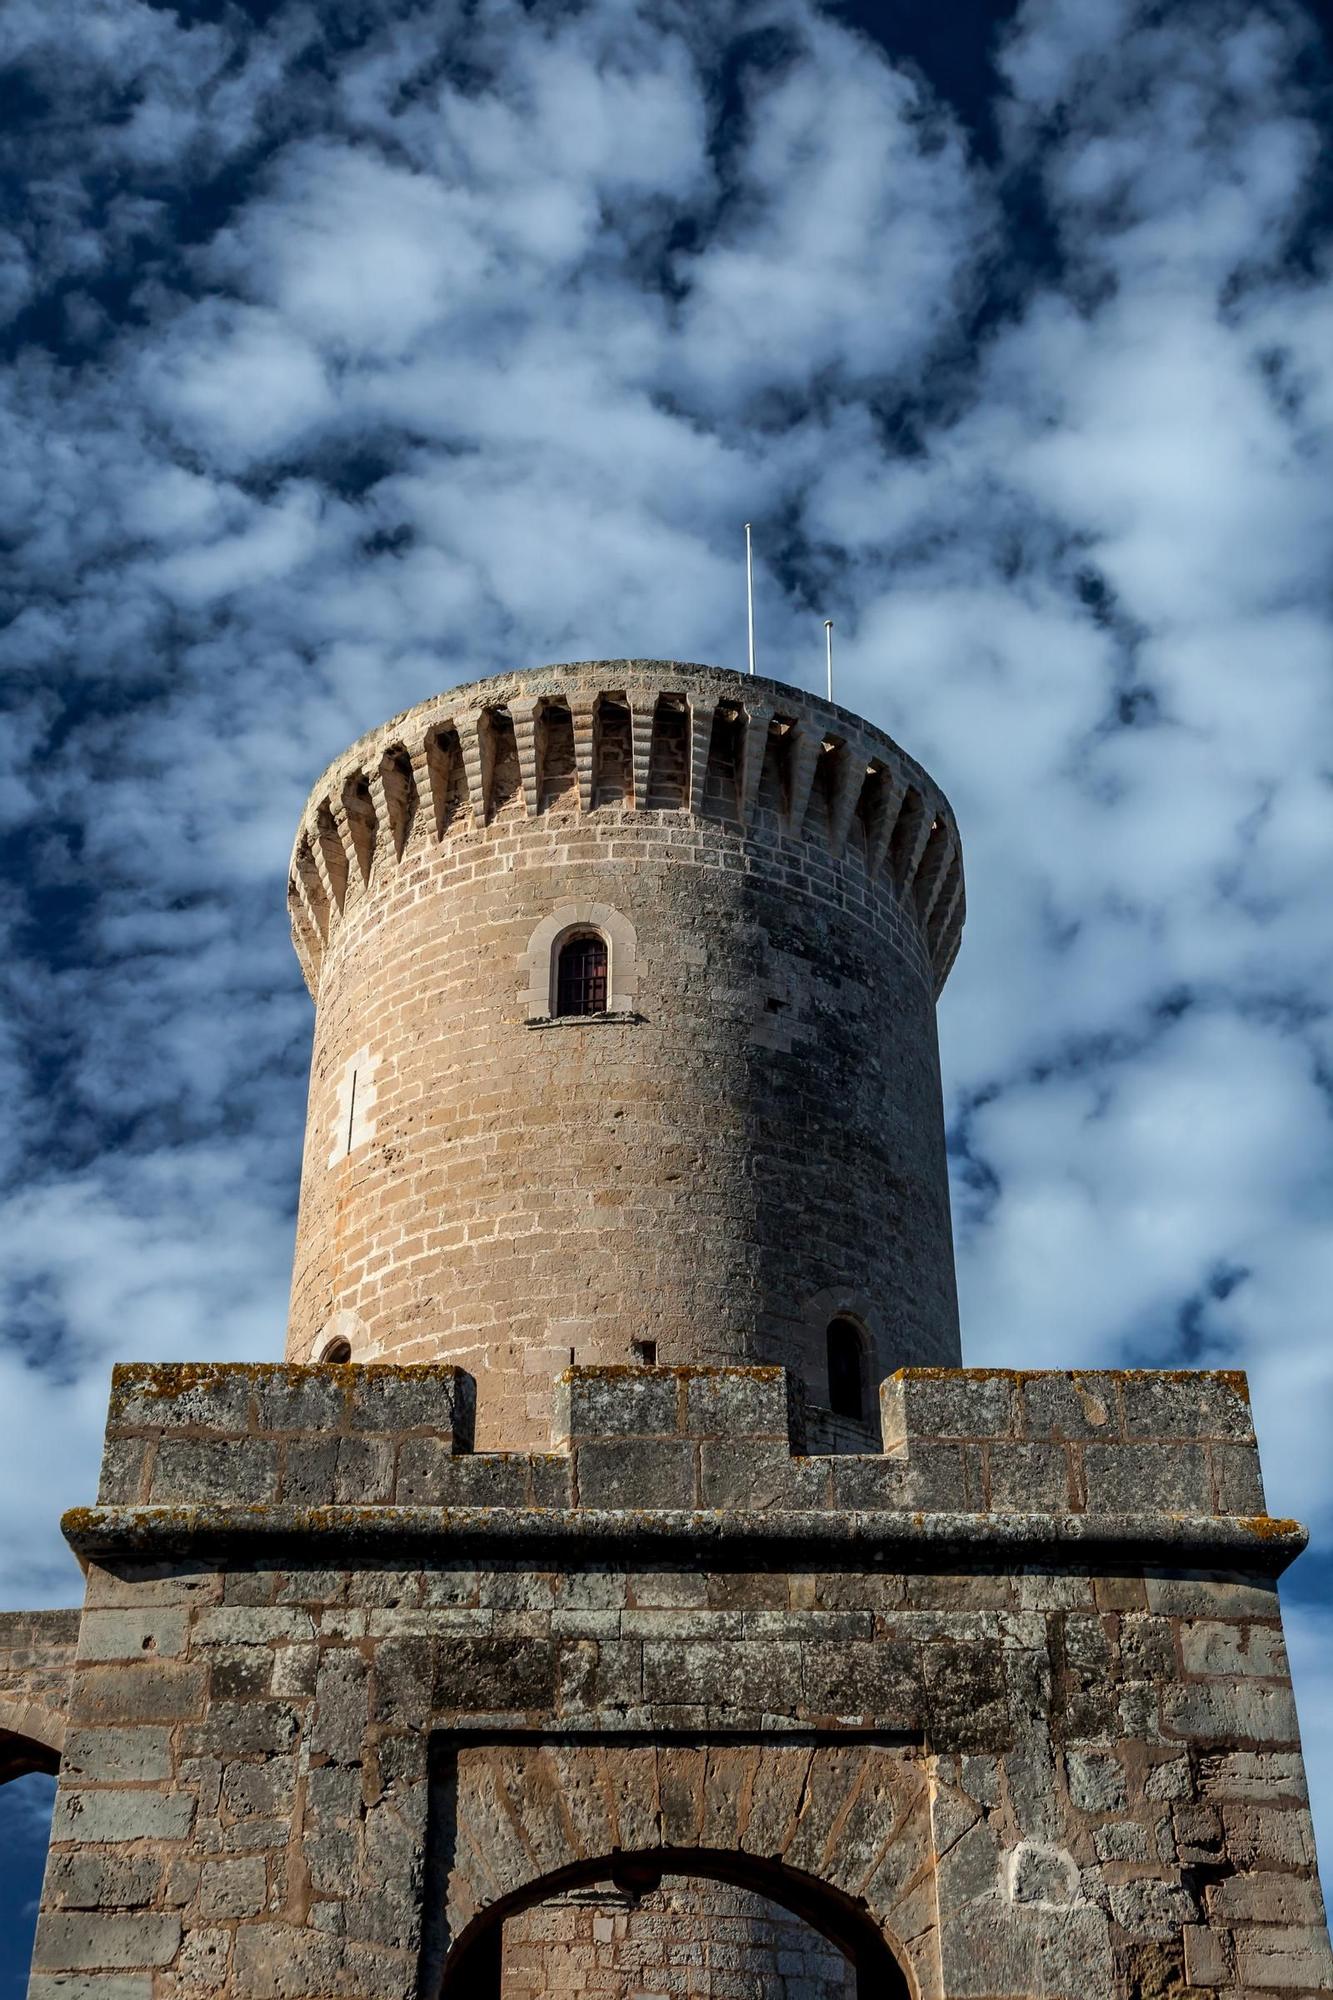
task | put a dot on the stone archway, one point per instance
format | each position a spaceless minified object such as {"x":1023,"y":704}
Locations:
{"x":32,"y":1737}
{"x":473,"y":1970}
{"x":836,"y":1832}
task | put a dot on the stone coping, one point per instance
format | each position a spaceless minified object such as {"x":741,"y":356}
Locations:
{"x":1254,"y":1543}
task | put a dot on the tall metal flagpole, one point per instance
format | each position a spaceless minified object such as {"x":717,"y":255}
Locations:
{"x":749,"y":592}
{"x":828,"y":644}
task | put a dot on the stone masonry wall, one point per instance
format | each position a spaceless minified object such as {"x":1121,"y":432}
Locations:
{"x":973,"y":1690}
{"x":750,"y":1142}
{"x":684,"y":1941}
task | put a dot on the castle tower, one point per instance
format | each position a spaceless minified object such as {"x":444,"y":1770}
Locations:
{"x":621,"y":1589}
{"x":726,"y":1138}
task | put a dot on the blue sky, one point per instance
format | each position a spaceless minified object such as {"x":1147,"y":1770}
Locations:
{"x":353,"y":350}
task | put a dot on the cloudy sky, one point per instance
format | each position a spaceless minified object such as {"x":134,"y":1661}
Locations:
{"x":356,"y":349}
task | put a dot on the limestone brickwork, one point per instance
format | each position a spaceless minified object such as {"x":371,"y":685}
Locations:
{"x":748,"y":1141}
{"x":686,"y":1940}
{"x":546,"y":1623}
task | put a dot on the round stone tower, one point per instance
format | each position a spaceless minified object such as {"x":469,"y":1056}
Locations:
{"x":625,"y":1043}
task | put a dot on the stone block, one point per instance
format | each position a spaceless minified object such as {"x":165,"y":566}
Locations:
{"x":1187,"y":1596}
{"x":423,"y":1472}
{"x":1208,"y":1959}
{"x":744,"y":1676}
{"x":301,"y":1398}
{"x":1122,"y":1840}
{"x":252,"y":1625}
{"x":936,"y":1479}
{"x":636,"y":1473}
{"x":1265,"y":1897}
{"x":339,"y":1722}
{"x":123,"y":1480}
{"x":78,"y":1941}
{"x":744,"y":1403}
{"x":210,"y":1397}
{"x":1210,"y":1646}
{"x":1152,"y":1909}
{"x":1223,"y":1712}
{"x":1071,"y":1406}
{"x":760,"y":1476}
{"x":244,"y":1729}
{"x":967,"y":1698}
{"x":156,"y":1632}
{"x":1028,"y":1478}
{"x":91,"y":1986}
{"x":1186,"y":1403}
{"x":148,"y":1691}
{"x":1147,"y":1479}
{"x":214,"y":1470}
{"x":364,"y":1476}
{"x":230,"y":1889}
{"x":1238,"y":1478}
{"x":972,"y":1403}
{"x":393,"y":1400}
{"x":1096,"y":1781}
{"x":482,"y":1674}
{"x":310,"y":1472}
{"x":79,"y":1880}
{"x":552,"y":1479}
{"x":112,"y":1756}
{"x":1270,"y":1837}
{"x":96,"y":1816}
{"x":617,"y":1402}
{"x":1284,"y":1958}
{"x":277,"y":1961}
{"x":1268,"y":1776}
{"x":259,"y":1791}
{"x":430,"y":1475}
{"x":1038,"y":1873}
{"x":880,"y":1680}
{"x":875,"y":1483}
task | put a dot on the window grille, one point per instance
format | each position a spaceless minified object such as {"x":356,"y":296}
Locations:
{"x":580,"y":986}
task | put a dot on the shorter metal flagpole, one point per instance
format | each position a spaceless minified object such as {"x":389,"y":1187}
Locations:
{"x":828,"y":644}
{"x":749,"y":592}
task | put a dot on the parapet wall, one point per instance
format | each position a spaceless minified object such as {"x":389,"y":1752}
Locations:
{"x":1169,"y":1457}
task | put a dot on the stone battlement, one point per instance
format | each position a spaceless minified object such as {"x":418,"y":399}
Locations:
{"x":641,"y":736}
{"x":264,"y":1447}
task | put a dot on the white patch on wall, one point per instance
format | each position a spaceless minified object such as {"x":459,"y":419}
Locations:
{"x":354,"y":1102}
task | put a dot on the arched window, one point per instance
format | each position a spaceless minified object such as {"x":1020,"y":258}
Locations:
{"x":337,"y":1350}
{"x":580,"y":980}
{"x":846,"y":1394}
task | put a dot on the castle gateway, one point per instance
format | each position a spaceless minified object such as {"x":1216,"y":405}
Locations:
{"x":621,"y":1589}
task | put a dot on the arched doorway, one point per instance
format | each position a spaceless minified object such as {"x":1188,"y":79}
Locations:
{"x":31,"y":1738}
{"x":691,"y":1913}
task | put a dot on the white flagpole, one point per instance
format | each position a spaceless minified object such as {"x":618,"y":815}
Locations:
{"x":749,"y":592}
{"x":828,"y":644}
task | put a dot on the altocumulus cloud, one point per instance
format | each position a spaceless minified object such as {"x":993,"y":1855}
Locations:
{"x":356,"y":351}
